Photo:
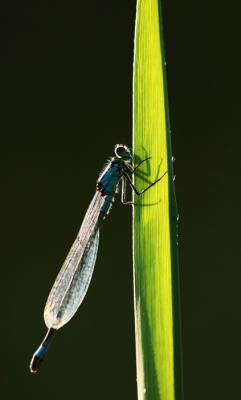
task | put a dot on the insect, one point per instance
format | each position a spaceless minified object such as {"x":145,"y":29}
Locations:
{"x":73,"y":280}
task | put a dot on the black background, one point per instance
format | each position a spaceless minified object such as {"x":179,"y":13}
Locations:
{"x":66,"y":92}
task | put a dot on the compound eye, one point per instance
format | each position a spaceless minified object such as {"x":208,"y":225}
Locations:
{"x":120,"y":151}
{"x":123,"y":152}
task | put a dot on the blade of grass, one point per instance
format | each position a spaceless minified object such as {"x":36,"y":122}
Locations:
{"x":156,"y":281}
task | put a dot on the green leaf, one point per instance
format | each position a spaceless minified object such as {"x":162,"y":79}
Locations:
{"x":156,"y":280}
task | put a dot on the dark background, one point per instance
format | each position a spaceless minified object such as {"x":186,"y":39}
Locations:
{"x":66,"y":92}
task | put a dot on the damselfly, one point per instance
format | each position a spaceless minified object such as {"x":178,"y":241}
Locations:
{"x":75,"y":275}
